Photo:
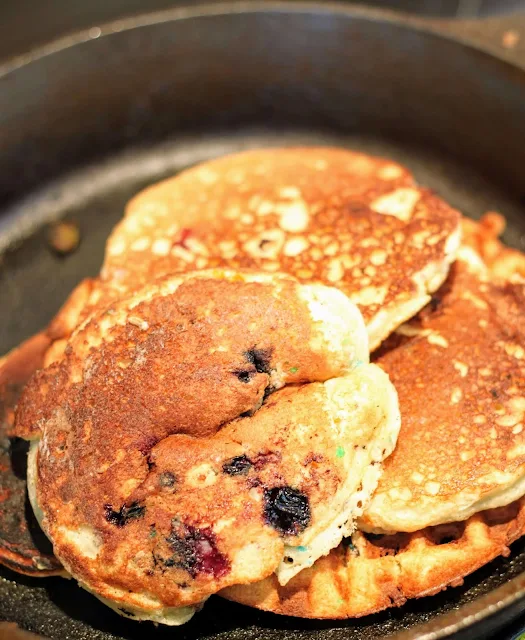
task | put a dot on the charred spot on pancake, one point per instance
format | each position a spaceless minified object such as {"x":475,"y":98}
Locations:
{"x":244,"y":375}
{"x":195,"y":551}
{"x":126,"y":513}
{"x":167,"y":479}
{"x":286,"y":509}
{"x":238,"y":466}
{"x":494,"y":393}
{"x":381,"y":545}
{"x":260,"y":358}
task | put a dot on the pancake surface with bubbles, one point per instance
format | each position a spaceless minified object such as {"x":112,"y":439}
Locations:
{"x":338,"y":217}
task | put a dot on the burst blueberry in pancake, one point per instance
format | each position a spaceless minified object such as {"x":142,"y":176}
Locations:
{"x":194,"y":486}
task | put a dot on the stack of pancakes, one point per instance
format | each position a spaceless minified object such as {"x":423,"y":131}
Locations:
{"x":299,"y":382}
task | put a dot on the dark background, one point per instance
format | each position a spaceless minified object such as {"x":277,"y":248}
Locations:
{"x":25,"y":24}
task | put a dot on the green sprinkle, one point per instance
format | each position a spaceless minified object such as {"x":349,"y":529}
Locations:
{"x":294,"y":369}
{"x":152,"y":532}
{"x":339,"y":452}
{"x":301,"y":548}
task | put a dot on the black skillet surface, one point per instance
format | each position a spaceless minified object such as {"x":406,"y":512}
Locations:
{"x":87,"y":122}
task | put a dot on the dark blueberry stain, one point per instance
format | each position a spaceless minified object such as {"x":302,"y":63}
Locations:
{"x":238,"y":466}
{"x":287,"y":510}
{"x":260,"y":358}
{"x":126,"y":513}
{"x":195,"y":550}
{"x":494,"y":393}
{"x":167,"y":479}
{"x":244,"y":376}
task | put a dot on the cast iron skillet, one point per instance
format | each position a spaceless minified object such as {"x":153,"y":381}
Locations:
{"x":89,"y":120}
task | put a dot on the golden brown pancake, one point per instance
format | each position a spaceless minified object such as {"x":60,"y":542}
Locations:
{"x":339,"y":217}
{"x":459,"y":369}
{"x":184,"y":498}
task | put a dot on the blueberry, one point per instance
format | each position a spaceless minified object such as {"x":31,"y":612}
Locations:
{"x":260,"y":358}
{"x":244,"y":376}
{"x":286,"y":509}
{"x":126,"y":513}
{"x":238,"y":466}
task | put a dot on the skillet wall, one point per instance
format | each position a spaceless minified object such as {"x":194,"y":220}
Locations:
{"x":307,"y":68}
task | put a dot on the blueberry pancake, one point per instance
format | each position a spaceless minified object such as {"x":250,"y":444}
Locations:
{"x":227,"y":425}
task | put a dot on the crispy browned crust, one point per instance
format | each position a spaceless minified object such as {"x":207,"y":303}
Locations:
{"x":17,"y":544}
{"x":339,"y":217}
{"x":378,"y":572}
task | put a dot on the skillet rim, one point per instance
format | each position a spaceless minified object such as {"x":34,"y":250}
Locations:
{"x":476,"y":34}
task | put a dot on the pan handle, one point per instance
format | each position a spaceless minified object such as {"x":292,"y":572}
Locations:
{"x":503,"y":37}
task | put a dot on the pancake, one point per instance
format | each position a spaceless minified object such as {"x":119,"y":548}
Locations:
{"x":331,"y":215}
{"x":19,"y":535}
{"x":459,"y":369}
{"x":194,"y":486}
